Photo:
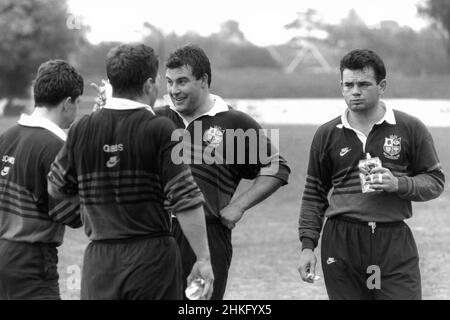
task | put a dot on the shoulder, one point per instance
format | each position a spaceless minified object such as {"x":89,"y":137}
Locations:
{"x":238,"y":119}
{"x":410,"y":123}
{"x":163,"y":111}
{"x":329,"y":127}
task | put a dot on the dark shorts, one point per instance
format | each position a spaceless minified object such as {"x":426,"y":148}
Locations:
{"x":221,"y":250}
{"x":361,"y":262}
{"x":28,"y":271}
{"x":146,"y":268}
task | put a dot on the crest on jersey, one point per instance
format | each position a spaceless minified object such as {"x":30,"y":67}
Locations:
{"x":392,"y":147}
{"x":213,"y":136}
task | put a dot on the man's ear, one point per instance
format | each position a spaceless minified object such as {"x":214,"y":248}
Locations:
{"x":383,"y":86}
{"x":205,"y":79}
{"x":147,"y":86}
{"x":67,"y":103}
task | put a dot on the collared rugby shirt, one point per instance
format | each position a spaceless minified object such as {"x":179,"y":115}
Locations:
{"x":218,"y":165}
{"x":404,"y":146}
{"x":118,"y":159}
{"x":27,"y":213}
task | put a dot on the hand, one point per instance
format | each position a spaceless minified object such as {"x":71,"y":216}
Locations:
{"x":103,"y":93}
{"x":203,"y":269}
{"x":382,"y":179}
{"x":307,"y":265}
{"x":230,"y":215}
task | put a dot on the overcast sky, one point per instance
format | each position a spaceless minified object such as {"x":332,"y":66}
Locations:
{"x":261,"y":21}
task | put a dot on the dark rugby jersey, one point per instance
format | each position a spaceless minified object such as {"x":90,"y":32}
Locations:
{"x":118,"y":159}
{"x":404,"y":146}
{"x":219,"y":160}
{"x":27,"y":213}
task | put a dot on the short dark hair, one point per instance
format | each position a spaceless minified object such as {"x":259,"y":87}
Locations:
{"x":55,"y":81}
{"x":193,"y":56}
{"x":362,"y":58}
{"x":128,"y":66}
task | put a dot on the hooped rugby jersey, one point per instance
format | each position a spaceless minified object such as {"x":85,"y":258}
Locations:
{"x":118,"y":159}
{"x":27,"y":213}
{"x":223,"y":147}
{"x":404,"y":146}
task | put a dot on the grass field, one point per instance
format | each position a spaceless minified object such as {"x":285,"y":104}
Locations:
{"x":266,"y":246}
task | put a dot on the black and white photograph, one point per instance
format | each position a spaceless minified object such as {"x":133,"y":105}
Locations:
{"x":250,"y":151}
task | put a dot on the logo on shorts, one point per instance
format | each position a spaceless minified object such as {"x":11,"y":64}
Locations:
{"x":392,"y":147}
{"x":213,"y":136}
{"x":331,"y":260}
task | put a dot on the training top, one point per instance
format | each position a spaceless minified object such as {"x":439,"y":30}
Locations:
{"x":118,"y":160}
{"x":405,"y":147}
{"x":27,"y":213}
{"x":224,"y":146}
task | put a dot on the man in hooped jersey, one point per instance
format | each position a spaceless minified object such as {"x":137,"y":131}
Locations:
{"x":224,"y":147}
{"x":118,"y":161}
{"x":31,"y":222}
{"x":374,"y":161}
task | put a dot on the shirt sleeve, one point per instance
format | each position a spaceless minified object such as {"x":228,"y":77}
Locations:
{"x":180,"y":189}
{"x":61,"y":211}
{"x":65,"y":212}
{"x":315,"y":197}
{"x":62,"y":176}
{"x":262,"y":156}
{"x":428,"y":179}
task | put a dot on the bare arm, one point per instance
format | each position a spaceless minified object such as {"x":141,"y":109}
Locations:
{"x":262,"y":188}
{"x":193,"y":224}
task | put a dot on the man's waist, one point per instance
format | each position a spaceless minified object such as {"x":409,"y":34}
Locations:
{"x":346,"y":218}
{"x":132,"y":238}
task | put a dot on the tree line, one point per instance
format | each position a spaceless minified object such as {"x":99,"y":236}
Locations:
{"x":34,"y":31}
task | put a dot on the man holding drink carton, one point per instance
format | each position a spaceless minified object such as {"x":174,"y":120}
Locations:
{"x":365,"y":168}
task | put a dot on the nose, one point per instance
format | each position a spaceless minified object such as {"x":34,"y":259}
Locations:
{"x":174,"y":89}
{"x":356,"y":91}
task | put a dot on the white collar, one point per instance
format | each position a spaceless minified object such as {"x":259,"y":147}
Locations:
{"x":40,"y":122}
{"x":389,"y":117}
{"x":125,"y":104}
{"x":219,"y":106}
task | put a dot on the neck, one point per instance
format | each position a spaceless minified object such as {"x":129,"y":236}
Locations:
{"x":364,"y":121}
{"x":140,"y":99}
{"x":52,"y":114}
{"x":206,"y":104}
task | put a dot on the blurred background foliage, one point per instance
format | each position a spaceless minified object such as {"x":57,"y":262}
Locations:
{"x":418,"y":62}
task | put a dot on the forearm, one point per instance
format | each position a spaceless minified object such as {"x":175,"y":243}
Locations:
{"x":310,"y":226}
{"x":193,"y":224}
{"x":422,"y":187}
{"x":262,"y":188}
{"x":55,"y":192}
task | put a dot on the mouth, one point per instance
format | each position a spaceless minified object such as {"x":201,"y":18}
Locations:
{"x":357,"y":101}
{"x":178,"y":99}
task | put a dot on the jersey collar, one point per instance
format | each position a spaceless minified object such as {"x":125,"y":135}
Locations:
{"x":389,"y":117}
{"x":219,"y":106}
{"x":125,"y":104}
{"x":40,"y":122}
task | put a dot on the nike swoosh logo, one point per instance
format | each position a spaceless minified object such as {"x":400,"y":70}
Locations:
{"x":344,"y":152}
{"x":111,"y":164}
{"x":330,"y":261}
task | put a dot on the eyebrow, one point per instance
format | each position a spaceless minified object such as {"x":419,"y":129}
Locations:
{"x":357,"y":82}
